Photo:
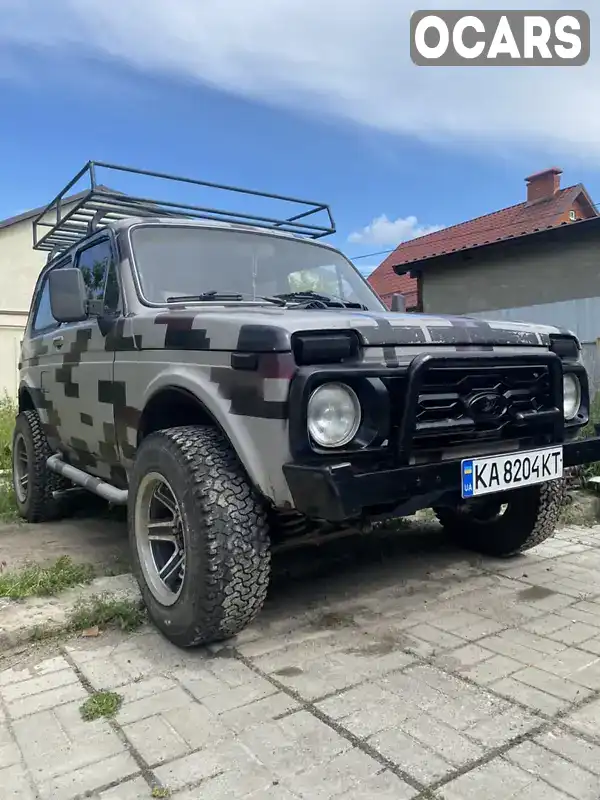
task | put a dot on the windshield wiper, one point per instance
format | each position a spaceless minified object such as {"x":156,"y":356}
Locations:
{"x":320,"y":300}
{"x":225,"y":297}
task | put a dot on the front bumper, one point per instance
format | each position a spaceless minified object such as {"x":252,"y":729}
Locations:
{"x":341,"y":492}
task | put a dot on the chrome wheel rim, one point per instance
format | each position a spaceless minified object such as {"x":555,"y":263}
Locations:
{"x":20,"y":468}
{"x":159,"y":538}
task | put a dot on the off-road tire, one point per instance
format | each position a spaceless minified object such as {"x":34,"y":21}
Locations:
{"x":226,"y":535}
{"x":39,"y":504}
{"x":529,"y":519}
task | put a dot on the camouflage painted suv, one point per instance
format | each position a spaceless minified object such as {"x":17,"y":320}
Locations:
{"x":240,"y":387}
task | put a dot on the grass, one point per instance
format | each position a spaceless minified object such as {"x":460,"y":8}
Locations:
{"x":592,"y":470}
{"x":43,"y":581}
{"x":8,"y":507}
{"x":105,"y":611}
{"x":8,"y":412}
{"x":101,"y":704}
{"x":160,"y":791}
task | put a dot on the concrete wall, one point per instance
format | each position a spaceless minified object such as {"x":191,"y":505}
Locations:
{"x":552,"y":279}
{"x":536,"y":270}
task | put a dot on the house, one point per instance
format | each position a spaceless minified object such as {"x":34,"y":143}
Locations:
{"x":538,"y":261}
{"x":545,"y":207}
{"x":20,"y":266}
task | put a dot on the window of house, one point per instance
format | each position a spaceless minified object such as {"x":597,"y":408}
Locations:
{"x":99,"y":274}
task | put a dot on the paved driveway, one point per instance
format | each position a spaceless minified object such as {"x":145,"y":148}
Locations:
{"x":409,"y":670}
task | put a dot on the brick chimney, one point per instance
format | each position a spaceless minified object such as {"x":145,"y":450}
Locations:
{"x":543,"y":185}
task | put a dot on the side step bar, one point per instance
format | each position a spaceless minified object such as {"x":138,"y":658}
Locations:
{"x":81,"y":478}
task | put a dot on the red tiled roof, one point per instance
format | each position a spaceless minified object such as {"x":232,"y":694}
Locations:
{"x":517,"y":220}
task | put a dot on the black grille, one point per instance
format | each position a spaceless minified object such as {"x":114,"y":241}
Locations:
{"x":476,"y":403}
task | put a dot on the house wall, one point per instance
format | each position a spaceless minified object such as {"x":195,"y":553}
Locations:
{"x":526,"y":272}
{"x":20,"y":266}
{"x":553,"y":280}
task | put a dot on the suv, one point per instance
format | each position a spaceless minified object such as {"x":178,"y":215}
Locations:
{"x":240,"y":387}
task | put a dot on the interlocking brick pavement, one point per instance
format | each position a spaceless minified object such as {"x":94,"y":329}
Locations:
{"x":410,"y":671}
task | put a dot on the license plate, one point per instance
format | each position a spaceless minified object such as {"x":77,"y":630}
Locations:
{"x":509,"y":471}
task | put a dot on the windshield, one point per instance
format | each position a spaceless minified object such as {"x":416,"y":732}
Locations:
{"x":177,"y":260}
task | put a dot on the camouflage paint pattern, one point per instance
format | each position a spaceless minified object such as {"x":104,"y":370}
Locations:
{"x":91,"y":392}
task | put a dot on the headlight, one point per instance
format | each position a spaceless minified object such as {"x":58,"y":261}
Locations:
{"x":333,"y":415}
{"x":571,"y":396}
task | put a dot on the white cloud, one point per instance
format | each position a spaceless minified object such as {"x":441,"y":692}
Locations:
{"x":330,"y":57}
{"x":384,"y":231}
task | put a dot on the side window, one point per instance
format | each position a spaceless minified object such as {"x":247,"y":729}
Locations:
{"x":99,"y":274}
{"x":43,"y":319}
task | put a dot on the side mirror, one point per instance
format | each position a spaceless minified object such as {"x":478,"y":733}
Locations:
{"x":398,"y":303}
{"x":67,"y":295}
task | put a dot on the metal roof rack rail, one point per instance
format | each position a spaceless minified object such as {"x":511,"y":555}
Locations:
{"x":68,"y":219}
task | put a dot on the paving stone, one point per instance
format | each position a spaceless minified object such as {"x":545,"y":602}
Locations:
{"x":154,"y":704}
{"x":441,"y":640}
{"x":134,"y":789}
{"x":413,"y":758}
{"x":491,"y":670}
{"x":529,"y":696}
{"x":223,"y":757}
{"x":372,"y":659}
{"x":586,"y":719}
{"x":317,"y":678}
{"x":298,"y":654}
{"x":384,"y":786}
{"x":9,"y":752}
{"x":15,"y":785}
{"x":500,"y":728}
{"x":196,"y":725}
{"x":88,"y":779}
{"x":547,"y":625}
{"x":343,"y":773}
{"x":155,"y":740}
{"x":47,"y":666}
{"x":559,"y":773}
{"x":442,"y":740}
{"x":591,"y":646}
{"x":497,"y":780}
{"x":570,"y":663}
{"x":559,"y":687}
{"x":293,"y":744}
{"x":575,"y":633}
{"x":574,"y":749}
{"x":60,"y":741}
{"x":239,"y":719}
{"x":463,"y":657}
{"x":47,"y":700}
{"x":27,"y":688}
{"x":235,"y":784}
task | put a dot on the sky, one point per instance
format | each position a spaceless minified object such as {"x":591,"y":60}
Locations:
{"x":310,"y":98}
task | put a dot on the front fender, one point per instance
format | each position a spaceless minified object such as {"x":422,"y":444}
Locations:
{"x":261,"y":444}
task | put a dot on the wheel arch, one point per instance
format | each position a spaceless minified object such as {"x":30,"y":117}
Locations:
{"x":180,"y":394}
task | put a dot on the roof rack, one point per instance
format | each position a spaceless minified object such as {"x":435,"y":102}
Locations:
{"x":68,"y":219}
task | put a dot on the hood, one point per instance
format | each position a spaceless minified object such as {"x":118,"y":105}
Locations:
{"x":270,"y":329}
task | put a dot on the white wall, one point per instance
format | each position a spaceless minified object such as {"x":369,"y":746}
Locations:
{"x":20,"y":266}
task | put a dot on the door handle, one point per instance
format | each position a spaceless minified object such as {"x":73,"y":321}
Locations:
{"x":58,"y":342}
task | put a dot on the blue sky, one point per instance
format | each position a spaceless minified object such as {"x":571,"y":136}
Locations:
{"x":314,"y":99}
